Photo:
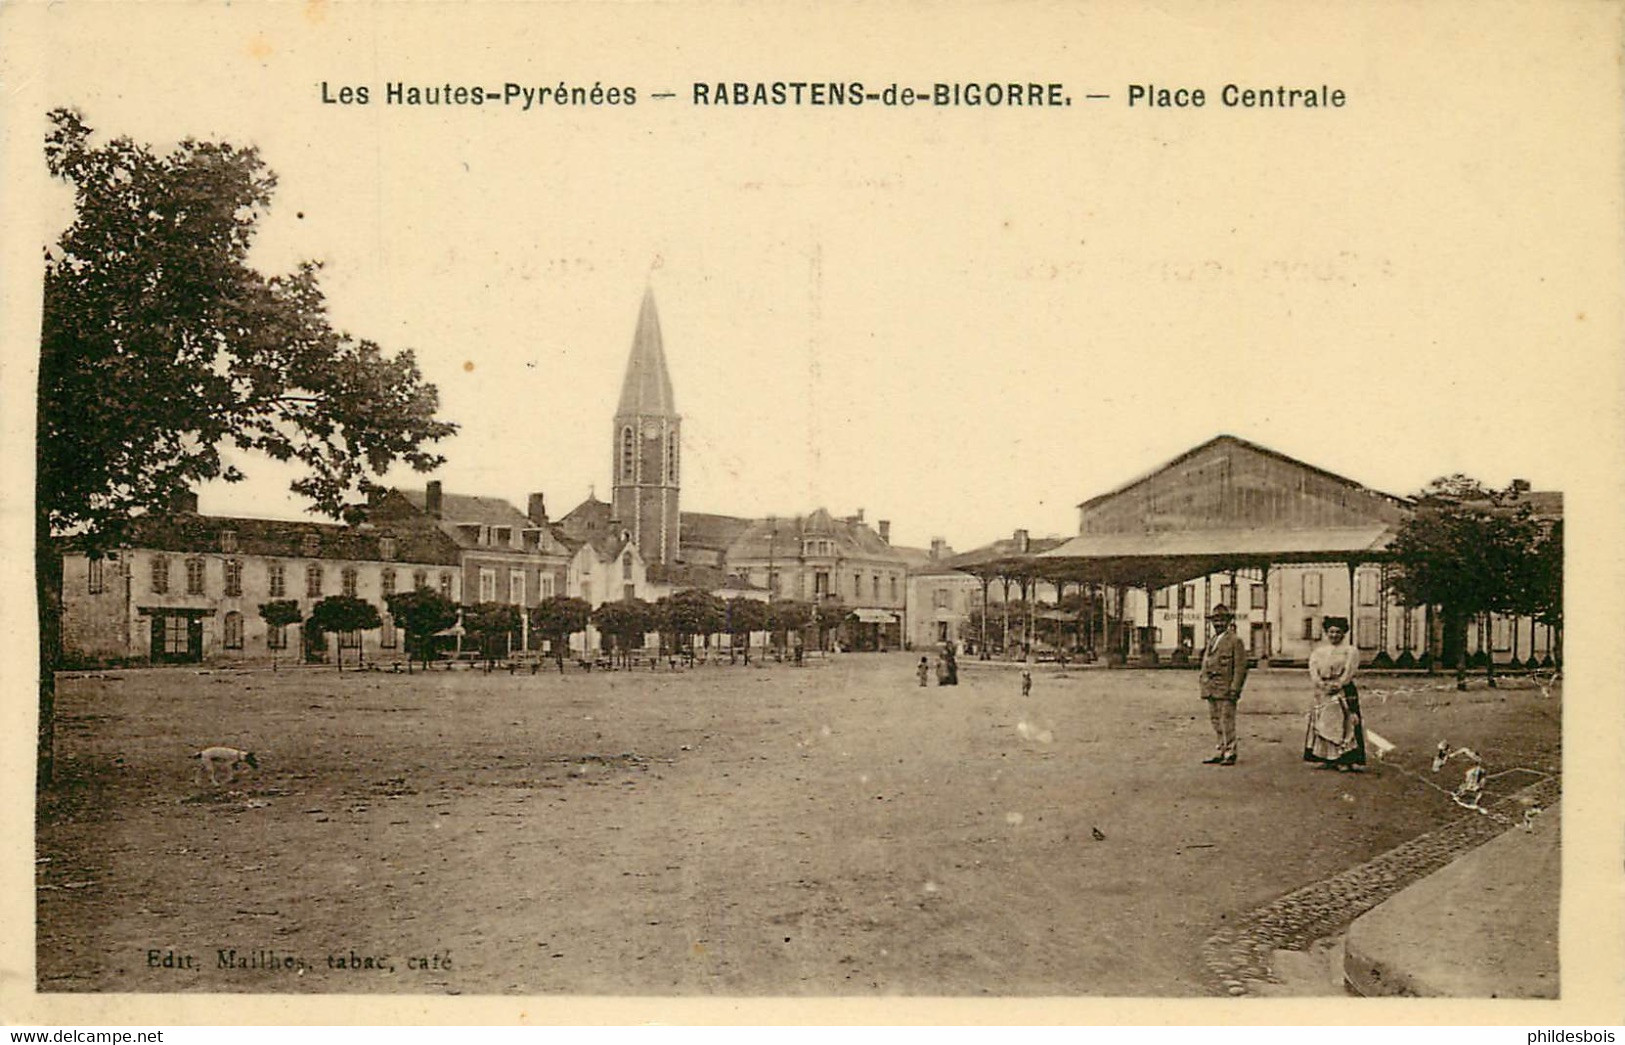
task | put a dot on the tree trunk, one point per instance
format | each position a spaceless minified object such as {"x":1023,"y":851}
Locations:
{"x":1489,"y":651}
{"x":48,"y":592}
{"x":1427,"y":638}
{"x":1455,"y":643}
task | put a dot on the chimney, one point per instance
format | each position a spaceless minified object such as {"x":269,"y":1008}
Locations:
{"x":860,"y":515}
{"x":184,"y":503}
{"x":937,"y":545}
{"x":432,"y":499}
{"x":1021,"y":541}
{"x":537,"y":509}
{"x":885,"y":530}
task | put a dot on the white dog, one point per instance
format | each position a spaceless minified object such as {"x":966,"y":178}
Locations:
{"x":214,"y":760}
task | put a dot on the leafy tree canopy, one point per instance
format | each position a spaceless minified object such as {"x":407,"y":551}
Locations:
{"x":1467,"y":549}
{"x":161,"y":345}
{"x":559,"y":617}
{"x":345,"y":613}
{"x":421,"y":612}
{"x":626,"y":620}
{"x":696,"y":612}
{"x":746,"y":615}
{"x":789,"y":615}
{"x":488,"y":619}
{"x":1546,"y":593}
{"x":279,"y":613}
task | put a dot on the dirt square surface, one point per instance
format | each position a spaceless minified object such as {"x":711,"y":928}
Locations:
{"x":829,"y":830}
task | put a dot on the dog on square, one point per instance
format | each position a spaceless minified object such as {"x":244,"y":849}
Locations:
{"x":223,"y":760}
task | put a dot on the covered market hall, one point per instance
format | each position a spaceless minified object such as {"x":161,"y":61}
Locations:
{"x":1280,"y":542}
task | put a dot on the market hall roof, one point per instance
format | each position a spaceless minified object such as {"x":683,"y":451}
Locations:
{"x":1225,"y":504}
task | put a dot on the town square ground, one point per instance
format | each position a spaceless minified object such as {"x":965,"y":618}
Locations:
{"x":833,"y":829}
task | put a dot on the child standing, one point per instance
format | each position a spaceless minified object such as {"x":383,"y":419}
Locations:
{"x":924,"y":670}
{"x":1026,"y":682}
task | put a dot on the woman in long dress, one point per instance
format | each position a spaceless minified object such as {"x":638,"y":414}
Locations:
{"x":1335,"y":737}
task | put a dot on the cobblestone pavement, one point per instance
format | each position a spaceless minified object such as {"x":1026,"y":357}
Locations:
{"x":1241,"y":952}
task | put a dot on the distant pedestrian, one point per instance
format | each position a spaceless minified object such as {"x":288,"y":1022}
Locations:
{"x":950,"y":663}
{"x":1223,"y":673}
{"x":1026,"y":682}
{"x":942,"y":672}
{"x":924,"y":670}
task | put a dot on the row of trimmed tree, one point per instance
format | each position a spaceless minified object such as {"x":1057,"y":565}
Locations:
{"x":423,"y":615}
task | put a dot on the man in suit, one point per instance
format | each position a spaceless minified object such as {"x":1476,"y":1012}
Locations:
{"x":1224,"y":672}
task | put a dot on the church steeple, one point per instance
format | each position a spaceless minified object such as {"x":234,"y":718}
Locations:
{"x":646,"y":392}
{"x":647,"y":443}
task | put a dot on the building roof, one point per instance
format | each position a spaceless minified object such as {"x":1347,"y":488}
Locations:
{"x":463,"y":509}
{"x":606,"y":545}
{"x":463,"y":516}
{"x":184,"y":532}
{"x":647,"y":387}
{"x":1011,"y":550}
{"x":780,"y":537}
{"x":713,"y":532}
{"x":699,"y":575}
{"x":585,"y":519}
{"x":1236,"y":441}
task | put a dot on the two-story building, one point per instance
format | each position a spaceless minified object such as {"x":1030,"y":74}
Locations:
{"x":939,"y":600}
{"x":847,"y":570}
{"x":504,"y":555}
{"x":188,"y":587}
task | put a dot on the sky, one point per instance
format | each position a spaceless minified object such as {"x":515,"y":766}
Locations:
{"x":965,"y":321}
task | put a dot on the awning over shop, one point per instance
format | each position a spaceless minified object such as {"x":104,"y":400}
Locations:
{"x":868,"y":616}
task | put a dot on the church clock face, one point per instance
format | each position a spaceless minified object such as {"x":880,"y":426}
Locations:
{"x":651,"y":429}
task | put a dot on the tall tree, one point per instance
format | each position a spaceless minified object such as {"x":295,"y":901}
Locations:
{"x":279,"y":613}
{"x":1470,"y":551}
{"x":421,"y":613}
{"x":1545,"y":597}
{"x":786,"y":616}
{"x":696,"y":612}
{"x":745,"y":615}
{"x":339,"y":614}
{"x":557,"y":618}
{"x":490,"y":625}
{"x":161,"y":346}
{"x":625,"y":621}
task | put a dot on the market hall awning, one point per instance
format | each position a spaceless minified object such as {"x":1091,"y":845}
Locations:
{"x":869,"y":616}
{"x":1166,"y":557}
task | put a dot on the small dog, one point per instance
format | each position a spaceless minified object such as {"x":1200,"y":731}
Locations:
{"x":214,"y":760}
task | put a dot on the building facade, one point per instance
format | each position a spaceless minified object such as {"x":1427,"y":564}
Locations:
{"x":940,"y":600}
{"x":187,"y":587}
{"x":504,"y":555}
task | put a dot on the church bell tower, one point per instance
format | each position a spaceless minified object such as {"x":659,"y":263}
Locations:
{"x":648,"y":436}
